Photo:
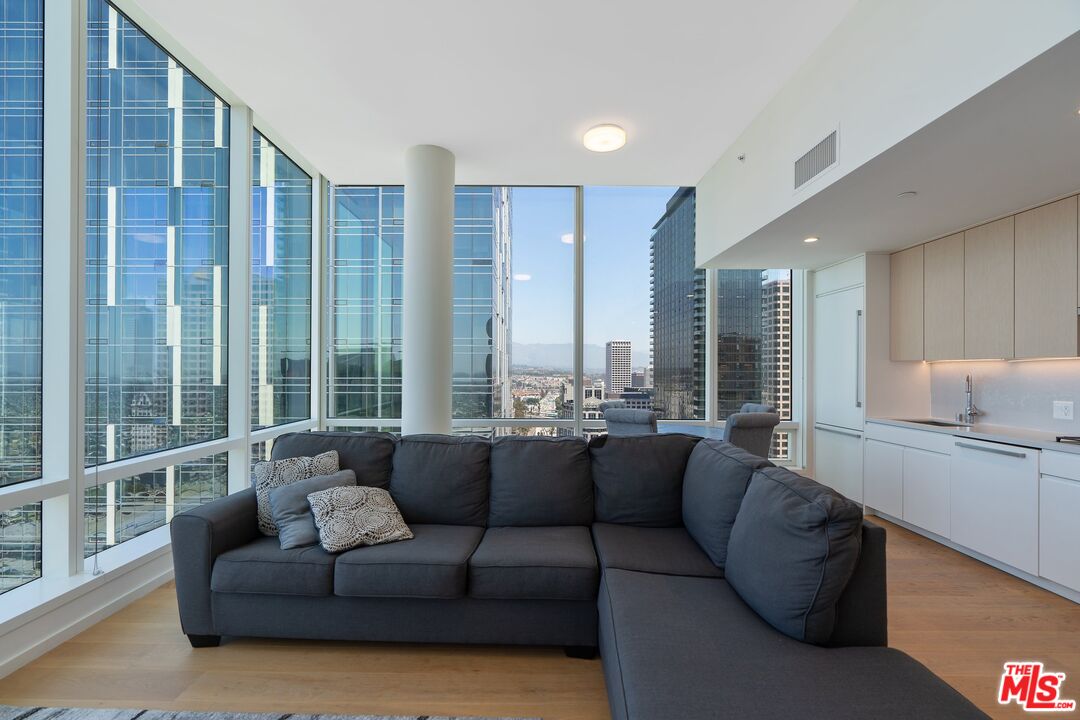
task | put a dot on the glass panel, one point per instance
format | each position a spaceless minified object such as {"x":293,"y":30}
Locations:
{"x":21,"y":102}
{"x":157,"y":247}
{"x":532,"y":431}
{"x":644,"y":302}
{"x":280,"y":287}
{"x":754,"y":340}
{"x":124,"y":509}
{"x":20,"y":546}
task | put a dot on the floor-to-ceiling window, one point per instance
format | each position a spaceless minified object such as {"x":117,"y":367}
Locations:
{"x":281,"y":225}
{"x":157,"y":248}
{"x":21,"y":116}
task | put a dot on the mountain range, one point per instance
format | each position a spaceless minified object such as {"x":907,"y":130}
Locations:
{"x":560,"y":356}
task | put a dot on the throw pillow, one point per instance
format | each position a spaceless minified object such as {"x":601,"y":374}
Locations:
{"x":270,"y":474}
{"x":292,"y":511}
{"x":349,"y":517}
{"x":793,"y":549}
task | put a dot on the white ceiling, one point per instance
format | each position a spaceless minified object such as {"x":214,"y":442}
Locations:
{"x":1012,"y":146}
{"x":509,"y":86}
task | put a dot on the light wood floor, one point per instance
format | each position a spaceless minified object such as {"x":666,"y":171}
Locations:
{"x":960,"y":617}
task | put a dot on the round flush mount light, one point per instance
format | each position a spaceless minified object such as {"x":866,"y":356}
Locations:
{"x":810,"y":239}
{"x":604,"y":138}
{"x":907,"y":194}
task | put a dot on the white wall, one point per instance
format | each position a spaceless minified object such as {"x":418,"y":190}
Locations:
{"x":888,"y":69}
{"x":1016,"y":394}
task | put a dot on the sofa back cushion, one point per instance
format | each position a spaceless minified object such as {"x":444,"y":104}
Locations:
{"x":441,"y":479}
{"x":637,"y":479}
{"x":540,"y":481}
{"x":368,"y":454}
{"x":717,"y":475}
{"x":793,"y":548}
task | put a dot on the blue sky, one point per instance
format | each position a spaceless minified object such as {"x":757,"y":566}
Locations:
{"x":618,"y":225}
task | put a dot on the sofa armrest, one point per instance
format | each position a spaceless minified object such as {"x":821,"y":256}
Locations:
{"x":862,"y":617}
{"x":199,"y":536}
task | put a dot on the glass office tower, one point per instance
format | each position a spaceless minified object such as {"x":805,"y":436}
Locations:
{"x":157,"y":212}
{"x":365,"y":257}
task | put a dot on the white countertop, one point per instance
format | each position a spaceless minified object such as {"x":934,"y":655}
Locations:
{"x":990,"y":433}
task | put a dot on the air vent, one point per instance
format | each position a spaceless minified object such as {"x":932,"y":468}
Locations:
{"x":814,"y":162}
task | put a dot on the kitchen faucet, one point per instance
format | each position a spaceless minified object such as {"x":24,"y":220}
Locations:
{"x":970,"y":411}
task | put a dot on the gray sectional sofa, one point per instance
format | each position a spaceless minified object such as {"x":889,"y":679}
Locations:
{"x":713,"y":584}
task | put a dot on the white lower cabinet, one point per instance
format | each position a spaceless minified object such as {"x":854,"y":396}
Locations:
{"x":883,"y":477}
{"x":838,"y":460}
{"x":994,"y":501}
{"x":926,"y":490}
{"x":1059,"y":530}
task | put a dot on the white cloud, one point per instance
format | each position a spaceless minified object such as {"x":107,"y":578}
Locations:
{"x":522,"y":277}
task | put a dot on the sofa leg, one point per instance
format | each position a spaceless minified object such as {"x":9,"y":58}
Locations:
{"x":204,"y":641}
{"x":581,"y":652}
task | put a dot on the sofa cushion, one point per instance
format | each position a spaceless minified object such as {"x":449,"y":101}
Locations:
{"x":270,"y":474}
{"x":637,"y":479}
{"x":263,"y":567}
{"x":291,"y":510}
{"x":368,"y":454}
{"x":349,"y":517}
{"x":793,"y":548}
{"x":685,"y":647}
{"x":434,"y":564}
{"x":441,"y":479}
{"x":540,"y":481}
{"x":716,"y":478}
{"x":534,"y":563}
{"x":667,"y":551}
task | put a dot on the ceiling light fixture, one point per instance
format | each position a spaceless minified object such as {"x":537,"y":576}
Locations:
{"x":567,"y":238}
{"x":810,"y":240}
{"x":604,"y":138}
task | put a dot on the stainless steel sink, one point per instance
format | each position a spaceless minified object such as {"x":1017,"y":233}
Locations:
{"x":940,"y":423}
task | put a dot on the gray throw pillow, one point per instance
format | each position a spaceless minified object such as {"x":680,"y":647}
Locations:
{"x":793,"y":549}
{"x":270,"y":474}
{"x":349,"y":517}
{"x":292,"y":511}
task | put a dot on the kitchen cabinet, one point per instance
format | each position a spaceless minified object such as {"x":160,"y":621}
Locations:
{"x":1046,"y":281}
{"x":1059,"y":531}
{"x":989,"y":290}
{"x":994,"y":501}
{"x":838,"y":460}
{"x":926,"y":490}
{"x":883,"y":477}
{"x":838,"y":354}
{"x":906,"y":304}
{"x":943,"y":298}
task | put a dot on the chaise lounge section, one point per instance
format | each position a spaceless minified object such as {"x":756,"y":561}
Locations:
{"x":664,"y":551}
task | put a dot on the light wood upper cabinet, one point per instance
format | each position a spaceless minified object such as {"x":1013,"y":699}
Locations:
{"x":943,"y":298}
{"x":1046,"y":281}
{"x":906,"y":304}
{"x":989,"y":317}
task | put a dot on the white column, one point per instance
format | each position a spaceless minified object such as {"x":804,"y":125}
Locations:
{"x":428,"y":288}
{"x":239,"y":317}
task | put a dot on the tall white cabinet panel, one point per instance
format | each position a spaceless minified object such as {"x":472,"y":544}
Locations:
{"x":838,"y":359}
{"x":994,"y":501}
{"x":1059,"y":530}
{"x":883,"y":477}
{"x":926,"y":490}
{"x":838,"y":460}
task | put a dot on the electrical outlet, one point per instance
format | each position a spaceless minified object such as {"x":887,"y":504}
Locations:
{"x":1063,"y":410}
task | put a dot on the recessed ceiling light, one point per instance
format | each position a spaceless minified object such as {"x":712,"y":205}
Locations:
{"x":522,"y":277}
{"x":907,"y":194}
{"x":810,"y":240}
{"x":604,"y":138}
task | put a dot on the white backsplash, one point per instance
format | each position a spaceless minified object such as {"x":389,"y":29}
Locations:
{"x":1017,"y":394}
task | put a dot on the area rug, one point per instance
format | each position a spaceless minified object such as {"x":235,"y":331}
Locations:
{"x":25,"y":713}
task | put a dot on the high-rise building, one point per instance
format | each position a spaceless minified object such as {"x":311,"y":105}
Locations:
{"x":619,"y":366}
{"x":678,"y":312}
{"x":739,"y":321}
{"x":776,"y":350}
{"x":366,"y":237}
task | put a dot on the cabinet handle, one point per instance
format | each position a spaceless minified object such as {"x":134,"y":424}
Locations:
{"x":995,"y":451}
{"x":838,"y":431}
{"x":858,"y":356}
